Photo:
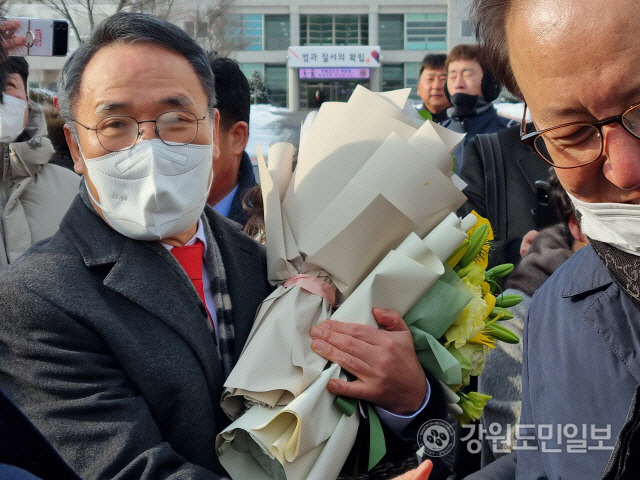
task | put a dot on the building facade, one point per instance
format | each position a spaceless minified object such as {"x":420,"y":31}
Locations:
{"x":404,"y":31}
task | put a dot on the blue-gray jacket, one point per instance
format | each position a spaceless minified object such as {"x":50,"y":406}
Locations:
{"x":580,"y":372}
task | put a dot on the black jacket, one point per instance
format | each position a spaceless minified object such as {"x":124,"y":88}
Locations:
{"x":500,"y":172}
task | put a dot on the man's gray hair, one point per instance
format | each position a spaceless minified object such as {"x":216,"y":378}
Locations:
{"x":128,"y":28}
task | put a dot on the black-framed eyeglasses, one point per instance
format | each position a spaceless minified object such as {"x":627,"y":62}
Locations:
{"x":577,"y":144}
{"x":121,"y":132}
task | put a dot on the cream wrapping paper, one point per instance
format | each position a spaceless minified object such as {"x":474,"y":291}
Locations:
{"x":370,"y":181}
{"x":299,"y":437}
{"x":289,"y":442}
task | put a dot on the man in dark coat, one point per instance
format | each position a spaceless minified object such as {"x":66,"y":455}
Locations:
{"x":118,"y":332}
{"x":233,"y":170}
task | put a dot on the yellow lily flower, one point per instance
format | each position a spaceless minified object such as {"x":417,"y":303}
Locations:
{"x":481,"y":338}
{"x":483,"y":257}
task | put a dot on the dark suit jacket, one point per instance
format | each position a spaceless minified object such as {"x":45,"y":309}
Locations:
{"x":23,"y":449}
{"x":105,"y":347}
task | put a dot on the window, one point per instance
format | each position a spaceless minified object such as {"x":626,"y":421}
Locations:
{"x":411,"y":79}
{"x":249,"y":28}
{"x":276,"y":32}
{"x":392,"y":77}
{"x":275,"y":77}
{"x":426,"y":31}
{"x":249,"y":68}
{"x":334,"y":29}
{"x":391,"y":32}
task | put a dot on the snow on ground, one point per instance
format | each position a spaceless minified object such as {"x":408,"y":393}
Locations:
{"x":512,"y":110}
{"x":263,"y":127}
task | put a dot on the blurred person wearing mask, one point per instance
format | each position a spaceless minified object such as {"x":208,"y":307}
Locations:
{"x":34,"y":195}
{"x":233,"y":171}
{"x":431,"y":81}
{"x":581,"y":342}
{"x":118,"y":332}
{"x":471,"y":88}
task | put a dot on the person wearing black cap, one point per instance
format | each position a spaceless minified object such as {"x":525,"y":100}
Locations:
{"x":471,"y":89}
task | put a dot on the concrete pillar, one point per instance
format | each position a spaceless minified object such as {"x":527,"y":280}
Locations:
{"x":293,"y":89}
{"x":294,"y":26}
{"x":375,"y":80}
{"x":293,"y":82}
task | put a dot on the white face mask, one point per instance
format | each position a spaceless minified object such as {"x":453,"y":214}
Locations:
{"x":12,"y":112}
{"x":617,"y":224}
{"x":153,"y":190}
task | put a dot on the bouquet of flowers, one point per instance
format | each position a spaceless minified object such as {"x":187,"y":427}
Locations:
{"x":365,"y":219}
{"x":455,"y":324}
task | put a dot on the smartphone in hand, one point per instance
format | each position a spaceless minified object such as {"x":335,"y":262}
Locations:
{"x":42,"y":37}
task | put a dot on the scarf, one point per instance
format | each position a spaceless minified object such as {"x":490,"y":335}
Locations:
{"x":220,"y":291}
{"x":463,"y":105}
{"x":624,"y":268}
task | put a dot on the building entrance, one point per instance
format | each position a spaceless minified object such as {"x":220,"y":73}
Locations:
{"x":312,"y":94}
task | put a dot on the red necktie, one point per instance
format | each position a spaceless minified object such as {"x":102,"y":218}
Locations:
{"x":190,"y":257}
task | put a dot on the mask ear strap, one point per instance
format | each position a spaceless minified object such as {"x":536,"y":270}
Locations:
{"x":210,"y":180}
{"x":93,"y":199}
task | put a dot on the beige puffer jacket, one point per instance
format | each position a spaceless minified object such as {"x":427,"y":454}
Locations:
{"x":33,"y":194}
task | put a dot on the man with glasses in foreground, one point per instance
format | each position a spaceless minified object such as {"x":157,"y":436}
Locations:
{"x":577,"y":65}
{"x":117,"y":334}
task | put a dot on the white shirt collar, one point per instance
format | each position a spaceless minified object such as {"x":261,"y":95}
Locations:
{"x":199,"y":235}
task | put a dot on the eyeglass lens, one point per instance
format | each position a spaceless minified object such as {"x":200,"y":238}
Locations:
{"x":121,"y":132}
{"x":579,"y":144}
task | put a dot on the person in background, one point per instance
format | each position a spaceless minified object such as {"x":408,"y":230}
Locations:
{"x":431,"y":81}
{"x":471,"y":89}
{"x":34,"y":195}
{"x":233,"y":171}
{"x":506,"y":183}
{"x":55,"y":127}
{"x":117,"y":334}
{"x":577,"y":66}
{"x":24,"y":453}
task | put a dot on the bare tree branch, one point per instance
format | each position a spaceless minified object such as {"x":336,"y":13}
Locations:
{"x":83,"y":15}
{"x":215,"y":28}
